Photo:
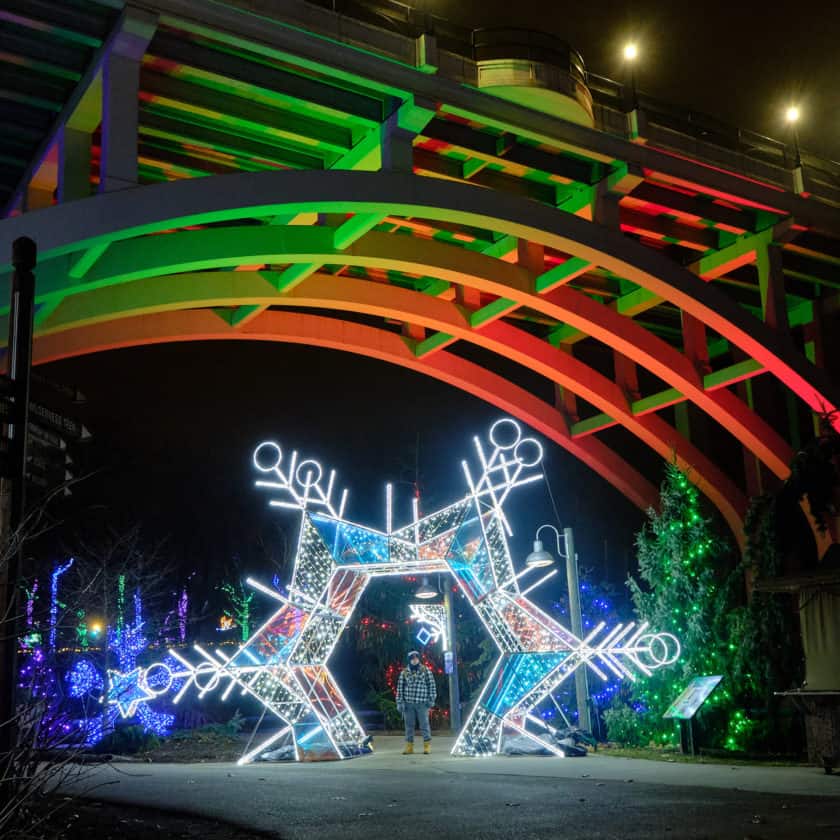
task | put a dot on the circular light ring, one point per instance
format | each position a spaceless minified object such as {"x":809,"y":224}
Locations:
{"x":206,"y":668}
{"x":168,"y":679}
{"x":515,"y":432}
{"x":267,"y":456}
{"x":520,"y":452}
{"x":662,"y":648}
{"x":308,"y":474}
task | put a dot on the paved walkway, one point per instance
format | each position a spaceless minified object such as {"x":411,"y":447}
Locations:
{"x":393,"y":796}
{"x":802,"y":781}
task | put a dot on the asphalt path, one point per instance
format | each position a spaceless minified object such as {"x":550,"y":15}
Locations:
{"x":388,"y":795}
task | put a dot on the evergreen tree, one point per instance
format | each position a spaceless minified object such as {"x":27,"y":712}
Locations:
{"x":680,"y":560}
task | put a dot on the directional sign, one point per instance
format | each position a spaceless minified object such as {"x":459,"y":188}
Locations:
{"x":60,"y":422}
{"x":48,"y":464}
{"x":50,"y":424}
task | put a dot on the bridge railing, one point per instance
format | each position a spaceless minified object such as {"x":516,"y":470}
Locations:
{"x":676,"y":127}
{"x":709,"y":138}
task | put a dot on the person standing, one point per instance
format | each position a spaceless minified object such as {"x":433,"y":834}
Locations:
{"x":416,"y":694}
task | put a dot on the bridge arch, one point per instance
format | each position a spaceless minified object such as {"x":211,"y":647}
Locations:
{"x":107,"y":243}
{"x":324,"y":291}
{"x":363,"y":340}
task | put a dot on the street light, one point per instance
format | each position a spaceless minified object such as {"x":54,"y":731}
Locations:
{"x":426,"y":591}
{"x":631,"y":53}
{"x":792,"y":115}
{"x":540,"y":557}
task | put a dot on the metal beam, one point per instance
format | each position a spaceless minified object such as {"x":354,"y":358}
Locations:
{"x":722,"y":378}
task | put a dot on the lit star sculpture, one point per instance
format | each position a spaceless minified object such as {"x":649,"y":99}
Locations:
{"x":128,"y":690}
{"x":284,"y":664}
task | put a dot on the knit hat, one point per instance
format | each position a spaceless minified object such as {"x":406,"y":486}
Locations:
{"x":413,"y":653}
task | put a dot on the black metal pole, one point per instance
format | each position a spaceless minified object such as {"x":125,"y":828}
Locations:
{"x":24,"y":257}
{"x":454,"y":687}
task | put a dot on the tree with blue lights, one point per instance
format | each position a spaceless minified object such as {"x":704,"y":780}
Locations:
{"x":597,"y":604}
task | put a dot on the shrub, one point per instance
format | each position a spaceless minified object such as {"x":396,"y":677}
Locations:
{"x":127,"y":740}
{"x":623,"y":726}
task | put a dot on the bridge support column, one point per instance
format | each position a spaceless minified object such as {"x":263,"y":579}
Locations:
{"x":73,"y":164}
{"x":120,"y":92}
{"x":398,"y":131}
{"x":37,"y":198}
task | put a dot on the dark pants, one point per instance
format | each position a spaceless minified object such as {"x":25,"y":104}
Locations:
{"x":416,"y":715}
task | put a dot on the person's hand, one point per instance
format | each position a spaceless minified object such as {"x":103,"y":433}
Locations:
{"x":400,"y":707}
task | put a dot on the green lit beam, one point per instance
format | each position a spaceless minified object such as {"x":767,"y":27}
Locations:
{"x":722,"y":378}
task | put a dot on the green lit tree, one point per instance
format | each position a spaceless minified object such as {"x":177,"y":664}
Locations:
{"x":239,"y":599}
{"x":681,"y":559}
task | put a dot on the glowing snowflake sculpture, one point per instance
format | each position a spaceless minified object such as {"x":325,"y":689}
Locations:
{"x":432,"y":617}
{"x":284,"y":663}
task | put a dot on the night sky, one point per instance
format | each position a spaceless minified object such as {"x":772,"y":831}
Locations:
{"x":174,"y":426}
{"x":741,"y":61}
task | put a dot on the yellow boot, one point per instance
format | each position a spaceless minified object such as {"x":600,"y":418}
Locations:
{"x":409,"y":748}
{"x":427,"y":747}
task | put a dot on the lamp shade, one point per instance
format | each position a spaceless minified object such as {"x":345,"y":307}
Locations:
{"x":426,"y":591}
{"x":539,"y":556}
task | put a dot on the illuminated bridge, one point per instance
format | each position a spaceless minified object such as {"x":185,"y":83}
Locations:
{"x":465,"y":205}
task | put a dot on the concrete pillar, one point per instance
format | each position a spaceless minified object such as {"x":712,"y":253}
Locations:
{"x":397,"y":145}
{"x":37,"y":198}
{"x":120,"y":91}
{"x":73,"y":164}
{"x":606,"y":211}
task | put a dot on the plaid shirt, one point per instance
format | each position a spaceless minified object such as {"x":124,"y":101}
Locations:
{"x":416,"y":687}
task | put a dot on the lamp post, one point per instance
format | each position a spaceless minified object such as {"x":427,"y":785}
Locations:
{"x":792,"y":115}
{"x":631,"y":53}
{"x":12,"y":499}
{"x":450,"y":658}
{"x":540,"y":557}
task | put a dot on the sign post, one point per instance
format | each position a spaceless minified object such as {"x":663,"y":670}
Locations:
{"x":686,"y":706}
{"x":24,"y":257}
